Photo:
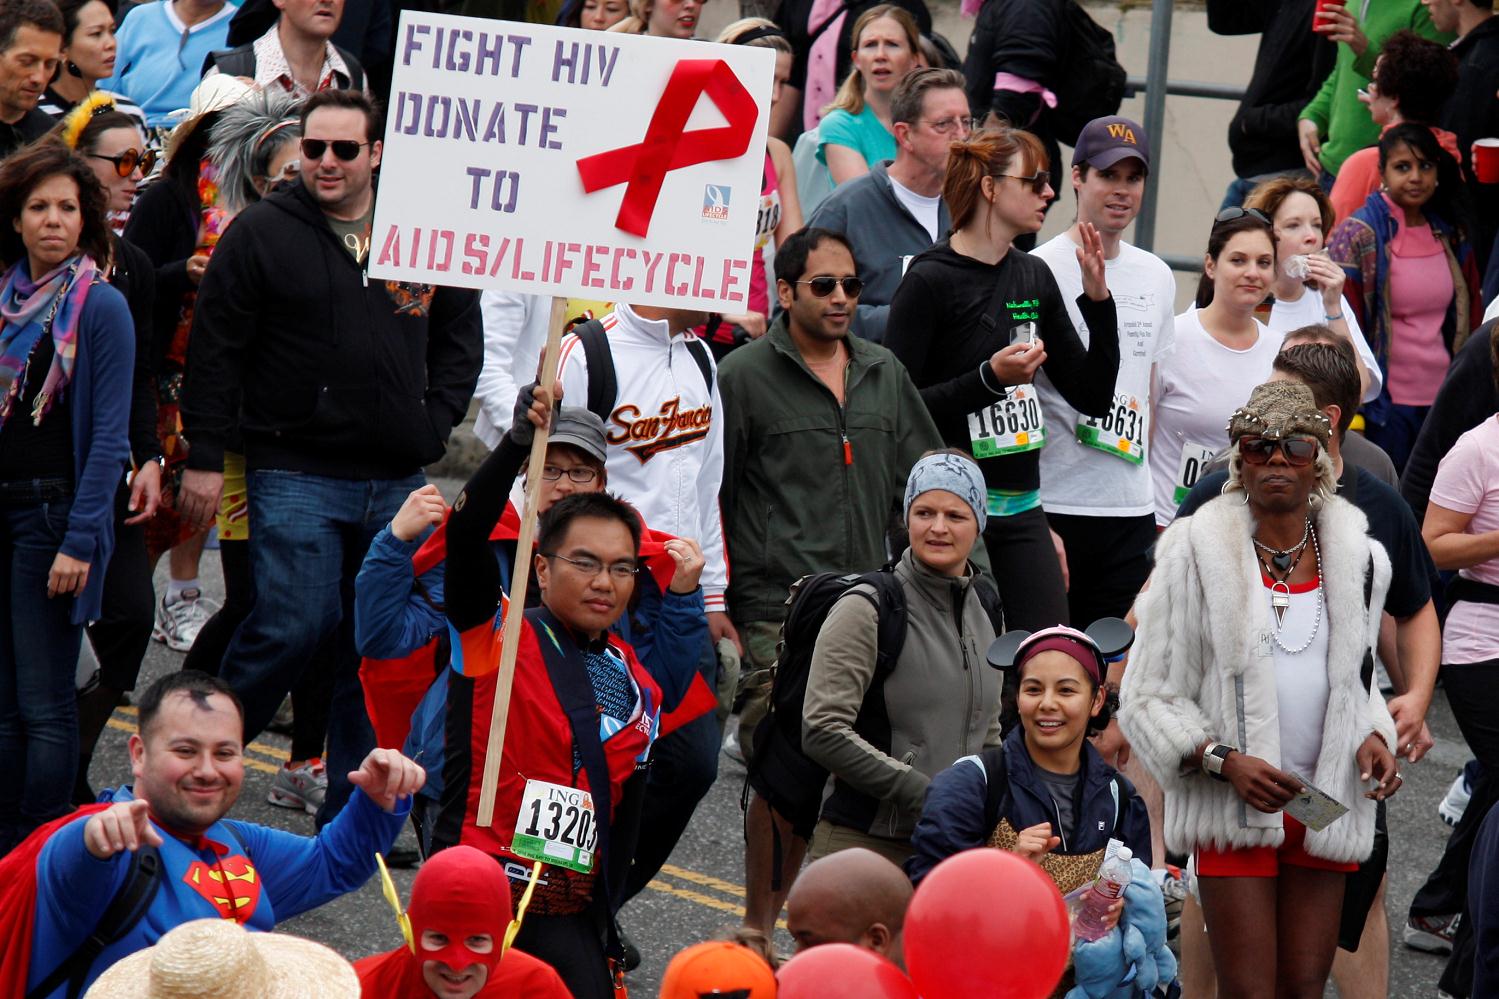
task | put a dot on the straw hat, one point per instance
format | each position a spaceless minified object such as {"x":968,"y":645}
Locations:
{"x":219,"y":959}
{"x":215,"y":93}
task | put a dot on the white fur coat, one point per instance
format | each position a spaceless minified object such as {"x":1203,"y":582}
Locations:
{"x":1203,"y":669}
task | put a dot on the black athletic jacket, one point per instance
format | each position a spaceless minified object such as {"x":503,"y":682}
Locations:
{"x":938,"y":331}
{"x":328,"y":370}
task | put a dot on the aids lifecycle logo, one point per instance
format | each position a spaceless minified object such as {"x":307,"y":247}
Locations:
{"x":716,"y":202}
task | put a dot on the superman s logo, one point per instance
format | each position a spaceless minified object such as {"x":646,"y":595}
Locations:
{"x":232,"y":887}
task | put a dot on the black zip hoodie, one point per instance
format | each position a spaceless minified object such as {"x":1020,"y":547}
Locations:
{"x":938,"y":331}
{"x":327,"y":371}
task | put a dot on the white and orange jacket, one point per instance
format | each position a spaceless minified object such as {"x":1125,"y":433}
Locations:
{"x":665,"y":434}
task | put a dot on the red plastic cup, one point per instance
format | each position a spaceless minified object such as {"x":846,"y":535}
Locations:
{"x":1317,"y":23}
{"x":1486,"y":161}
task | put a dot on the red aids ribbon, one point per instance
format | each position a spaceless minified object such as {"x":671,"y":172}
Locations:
{"x":666,"y":147}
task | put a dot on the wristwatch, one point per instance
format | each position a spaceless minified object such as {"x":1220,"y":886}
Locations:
{"x":1213,"y":759}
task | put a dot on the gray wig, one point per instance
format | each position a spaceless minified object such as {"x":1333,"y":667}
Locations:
{"x":244,"y":139}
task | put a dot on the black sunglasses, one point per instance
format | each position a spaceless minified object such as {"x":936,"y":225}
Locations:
{"x":1298,"y":451}
{"x":344,"y":149}
{"x":1229,"y":214}
{"x":127,"y":162}
{"x":822,"y":287}
{"x":1038,"y":180}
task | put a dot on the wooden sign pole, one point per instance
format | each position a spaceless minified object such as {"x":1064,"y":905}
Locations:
{"x":520,"y":580}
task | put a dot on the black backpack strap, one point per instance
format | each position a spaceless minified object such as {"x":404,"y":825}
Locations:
{"x":890,"y":611}
{"x":997,"y":786}
{"x":238,"y":61}
{"x":130,"y":903}
{"x":603,"y":386}
{"x":574,"y":690}
{"x":699,"y":352}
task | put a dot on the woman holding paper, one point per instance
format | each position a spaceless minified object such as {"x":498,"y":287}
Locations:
{"x":1248,"y":697}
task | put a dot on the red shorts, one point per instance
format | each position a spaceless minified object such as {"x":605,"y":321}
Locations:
{"x":1265,"y":861}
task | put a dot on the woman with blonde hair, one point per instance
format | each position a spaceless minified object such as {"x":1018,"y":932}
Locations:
{"x":969,"y":320}
{"x":855,"y":132}
{"x":661,"y":18}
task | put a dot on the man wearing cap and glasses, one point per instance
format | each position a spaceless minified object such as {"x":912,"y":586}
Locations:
{"x":817,"y":426}
{"x":896,"y":210}
{"x":343,"y":388}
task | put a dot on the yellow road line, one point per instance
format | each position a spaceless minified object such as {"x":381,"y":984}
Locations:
{"x":708,"y":901}
{"x":705,"y":880}
{"x":250,"y":761}
{"x":129,"y":711}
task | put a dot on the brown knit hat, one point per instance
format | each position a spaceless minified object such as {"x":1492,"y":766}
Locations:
{"x":219,"y":959}
{"x":1280,"y":409}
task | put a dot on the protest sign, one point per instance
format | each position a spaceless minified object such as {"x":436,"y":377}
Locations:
{"x":562,"y":162}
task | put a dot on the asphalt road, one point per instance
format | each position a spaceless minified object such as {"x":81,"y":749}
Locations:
{"x":698,"y":893}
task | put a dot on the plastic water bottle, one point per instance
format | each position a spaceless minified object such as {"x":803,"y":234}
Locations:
{"x":1113,"y":878}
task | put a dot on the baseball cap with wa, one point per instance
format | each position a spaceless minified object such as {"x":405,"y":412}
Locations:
{"x":1106,"y":141}
{"x":718,"y":968}
{"x":219,"y":959}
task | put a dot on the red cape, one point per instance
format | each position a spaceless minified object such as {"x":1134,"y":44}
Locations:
{"x":397,"y":974}
{"x":18,"y":902}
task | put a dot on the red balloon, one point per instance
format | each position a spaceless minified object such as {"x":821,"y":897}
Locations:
{"x":986,"y":924}
{"x":841,"y":971}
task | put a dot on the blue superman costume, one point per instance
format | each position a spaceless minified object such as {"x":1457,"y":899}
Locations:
{"x":218,"y":874}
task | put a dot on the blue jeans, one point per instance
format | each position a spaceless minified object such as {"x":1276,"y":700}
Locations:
{"x":38,"y":657}
{"x":308,"y":537}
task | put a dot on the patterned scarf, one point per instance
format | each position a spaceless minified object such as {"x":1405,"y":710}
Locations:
{"x":30,"y":309}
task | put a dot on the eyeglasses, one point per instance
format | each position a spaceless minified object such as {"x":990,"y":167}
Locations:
{"x":581,"y":474}
{"x":1229,"y":214}
{"x":1038,"y":180}
{"x":127,"y":162}
{"x":947,"y":125}
{"x":344,"y":149}
{"x":1298,"y":451}
{"x":822,"y":287}
{"x":590,"y":566}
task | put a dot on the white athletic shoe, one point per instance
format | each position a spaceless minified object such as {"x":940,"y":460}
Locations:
{"x":179,"y":621}
{"x":1455,"y":803}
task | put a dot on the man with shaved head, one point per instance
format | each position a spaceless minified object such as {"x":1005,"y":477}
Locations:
{"x":852,"y":896}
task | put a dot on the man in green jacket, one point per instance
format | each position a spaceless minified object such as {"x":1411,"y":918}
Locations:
{"x":1336,"y":123}
{"x":820,"y":429}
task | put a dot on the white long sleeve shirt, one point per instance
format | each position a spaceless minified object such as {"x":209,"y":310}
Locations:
{"x":665,"y":434}
{"x":515,"y":334}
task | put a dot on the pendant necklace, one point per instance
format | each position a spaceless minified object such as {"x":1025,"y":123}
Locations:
{"x":1282,"y":559}
{"x":1280,"y":596}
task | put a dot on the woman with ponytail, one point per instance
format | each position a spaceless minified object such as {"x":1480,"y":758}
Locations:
{"x":974,"y":320}
{"x":66,"y":355}
{"x":1222,"y":352}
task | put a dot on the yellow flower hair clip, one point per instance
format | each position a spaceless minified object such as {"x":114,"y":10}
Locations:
{"x":76,"y":120}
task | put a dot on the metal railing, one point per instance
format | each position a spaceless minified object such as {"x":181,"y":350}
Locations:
{"x":1156,"y":87}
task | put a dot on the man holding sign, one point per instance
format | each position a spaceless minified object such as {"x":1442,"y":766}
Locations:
{"x":583,"y":715}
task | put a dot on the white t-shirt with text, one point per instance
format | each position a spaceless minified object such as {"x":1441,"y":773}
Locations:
{"x":1081,"y":478}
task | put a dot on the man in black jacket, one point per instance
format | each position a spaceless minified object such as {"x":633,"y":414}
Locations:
{"x":1289,"y":68}
{"x":343,"y":388}
{"x":1472,"y":109}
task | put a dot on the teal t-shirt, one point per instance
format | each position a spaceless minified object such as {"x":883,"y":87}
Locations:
{"x":862,"y":133}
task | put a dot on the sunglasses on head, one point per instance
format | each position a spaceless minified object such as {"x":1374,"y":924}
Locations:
{"x":344,"y":149}
{"x":822,"y":287}
{"x":1038,"y":180}
{"x":1298,"y":451}
{"x":1229,"y":214}
{"x":127,"y":162}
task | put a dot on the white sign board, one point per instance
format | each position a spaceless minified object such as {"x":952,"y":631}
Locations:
{"x":570,"y":163}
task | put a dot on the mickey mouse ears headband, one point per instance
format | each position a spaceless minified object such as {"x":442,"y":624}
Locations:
{"x":1105,"y":640}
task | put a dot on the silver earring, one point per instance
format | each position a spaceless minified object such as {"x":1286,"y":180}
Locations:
{"x":1246,"y":497}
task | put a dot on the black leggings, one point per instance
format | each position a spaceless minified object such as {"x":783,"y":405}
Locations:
{"x":123,"y":632}
{"x":1026,"y":570}
{"x":312,"y":697}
